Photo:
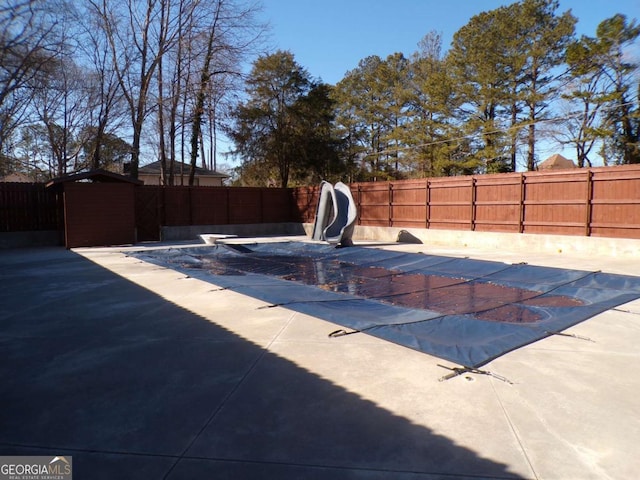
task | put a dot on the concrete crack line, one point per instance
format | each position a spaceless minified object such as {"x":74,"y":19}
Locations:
{"x":514,"y":431}
{"x":230,"y":394}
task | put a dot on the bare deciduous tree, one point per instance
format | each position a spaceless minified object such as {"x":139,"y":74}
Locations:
{"x":138,"y":39}
{"x":229,"y":36}
{"x":29,"y":43}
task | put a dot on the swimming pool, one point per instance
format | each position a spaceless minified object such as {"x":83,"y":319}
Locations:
{"x":459,"y":309}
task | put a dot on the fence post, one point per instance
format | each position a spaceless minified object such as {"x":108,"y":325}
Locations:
{"x":359,"y":204}
{"x":428,"y":203}
{"x":390,"y":204}
{"x":473,"y":202}
{"x":522,"y":200}
{"x":589,"y":209}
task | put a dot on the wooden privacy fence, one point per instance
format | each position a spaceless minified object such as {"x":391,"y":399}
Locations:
{"x":592,"y":202}
{"x":182,"y":206}
{"x":28,"y":207}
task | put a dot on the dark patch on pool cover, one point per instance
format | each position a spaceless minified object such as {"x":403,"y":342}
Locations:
{"x":463,"y":310}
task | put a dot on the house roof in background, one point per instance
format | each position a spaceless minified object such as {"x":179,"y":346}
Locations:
{"x":555,"y":162}
{"x":154,"y":169}
{"x":17,"y":178}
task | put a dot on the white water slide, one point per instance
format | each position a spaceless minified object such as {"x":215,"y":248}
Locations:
{"x":336,"y":215}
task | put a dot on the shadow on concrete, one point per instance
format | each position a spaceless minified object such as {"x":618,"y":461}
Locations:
{"x":133,"y":386}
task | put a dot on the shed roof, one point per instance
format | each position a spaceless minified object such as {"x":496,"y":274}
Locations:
{"x":97,"y":175}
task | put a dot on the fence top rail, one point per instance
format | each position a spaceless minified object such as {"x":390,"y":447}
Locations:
{"x":581,"y":177}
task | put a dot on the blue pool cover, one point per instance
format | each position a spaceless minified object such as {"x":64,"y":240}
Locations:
{"x":463,"y":310}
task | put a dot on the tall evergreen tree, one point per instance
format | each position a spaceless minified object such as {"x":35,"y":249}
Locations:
{"x":543,"y":37}
{"x":349,"y":125}
{"x":507,"y":61}
{"x":284,"y":122}
{"x":587,"y":96}
{"x":371,"y":102}
{"x":316,"y":134}
{"x":393,"y":76}
{"x":479,"y":59}
{"x":602,"y":77}
{"x":430,"y":111}
{"x":613,"y":35}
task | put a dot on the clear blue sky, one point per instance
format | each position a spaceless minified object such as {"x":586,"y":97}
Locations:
{"x":330,"y":37}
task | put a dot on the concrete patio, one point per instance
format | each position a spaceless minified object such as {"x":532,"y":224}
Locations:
{"x":137,"y":371}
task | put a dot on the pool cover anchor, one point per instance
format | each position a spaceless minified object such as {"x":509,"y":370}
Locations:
{"x":341,"y":333}
{"x":456,"y":371}
{"x":624,"y":310}
{"x":271,"y":305}
{"x":571,"y":335}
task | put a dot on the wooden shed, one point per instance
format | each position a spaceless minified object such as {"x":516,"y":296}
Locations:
{"x":99,"y":208}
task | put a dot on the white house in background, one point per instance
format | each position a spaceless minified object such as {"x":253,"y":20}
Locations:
{"x":17,"y":178}
{"x":150,"y":175}
{"x":556,"y":162}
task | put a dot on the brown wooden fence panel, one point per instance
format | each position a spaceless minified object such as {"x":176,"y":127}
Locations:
{"x":615,"y":204}
{"x":148,"y":212}
{"x":245,"y":205}
{"x":373,"y":203}
{"x":28,"y":206}
{"x":176,"y":204}
{"x":210,"y":206}
{"x":276,"y":205}
{"x":450,"y":203}
{"x":225,"y":205}
{"x":556,"y":202}
{"x":497,"y":206}
{"x":304,"y":203}
{"x":407,"y":201}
